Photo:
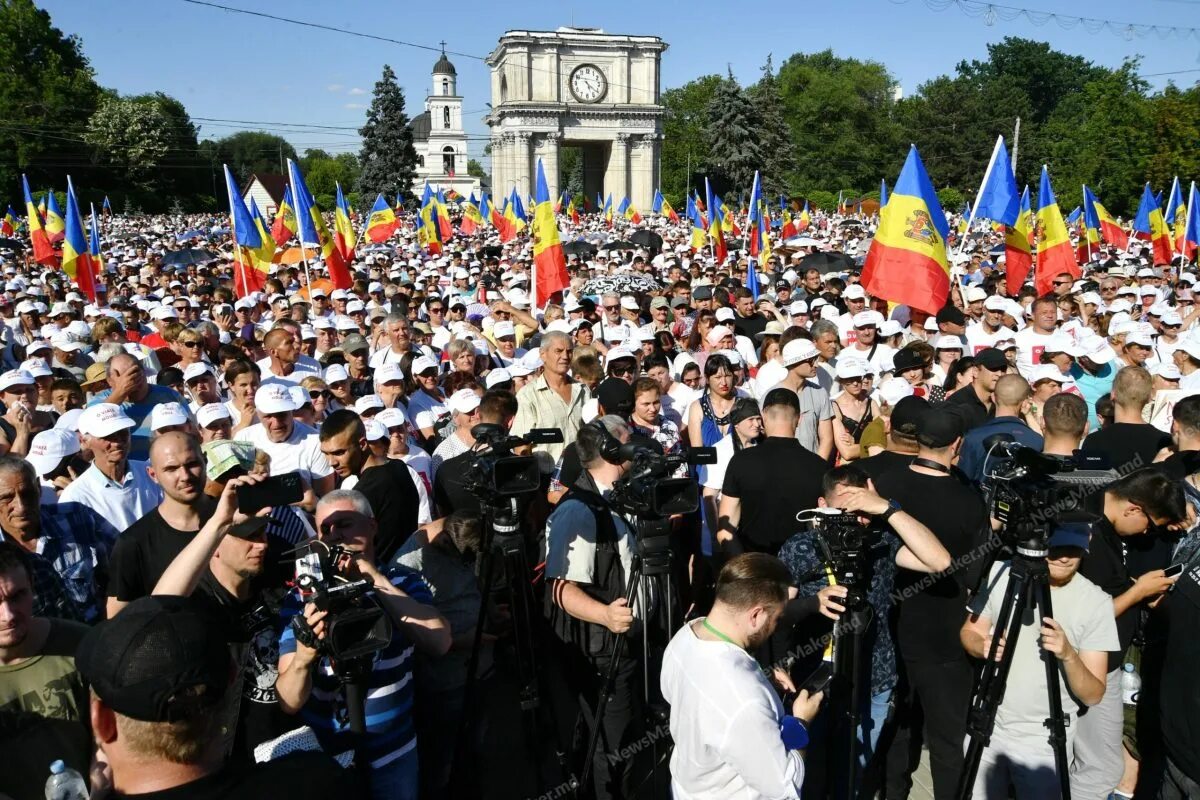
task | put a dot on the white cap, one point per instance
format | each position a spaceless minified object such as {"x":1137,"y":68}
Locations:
{"x":893,"y":390}
{"x":49,"y":448}
{"x":392,"y":417}
{"x":336,"y":373}
{"x":995,"y":303}
{"x":339,"y":294}
{"x":164,"y":415}
{"x":975,"y":294}
{"x":1061,"y":342}
{"x":717,"y":333}
{"x":947,"y":341}
{"x":853,"y":368}
{"x":36,"y":368}
{"x":368,"y":402}
{"x":69,"y":421}
{"x":322,"y":324}
{"x":503,"y":328}
{"x":375,"y":430}
{"x":1140,"y":338}
{"x":891,"y":327}
{"x":65,"y":342}
{"x":497,"y":377}
{"x":164,"y":312}
{"x":1167,"y":371}
{"x":386,"y":373}
{"x":798,"y":308}
{"x":210,"y":413}
{"x":274,"y":398}
{"x":464,"y":401}
{"x":798,"y":350}
{"x":1096,"y":349}
{"x":196,"y":370}
{"x":724,"y":314}
{"x":423,"y":364}
{"x":36,"y":345}
{"x":104,"y":419}
{"x":308,"y":332}
{"x":517,"y":298}
{"x":1047,"y":372}
{"x":531,"y":361}
{"x":15,"y":377}
{"x":1172,"y":318}
{"x":865,"y":319}
{"x":854,"y":292}
{"x":617,"y":353}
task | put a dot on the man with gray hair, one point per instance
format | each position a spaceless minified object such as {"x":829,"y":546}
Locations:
{"x":553,"y":400}
{"x":395,"y":325}
{"x":387,"y":753}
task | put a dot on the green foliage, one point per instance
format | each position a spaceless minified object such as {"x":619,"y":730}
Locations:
{"x":774,"y":133}
{"x":685,"y":141}
{"x":476,"y":170}
{"x":820,"y":198}
{"x":249,"y":152}
{"x":139,"y":138}
{"x":733,"y":133}
{"x":388,"y":159}
{"x":323,"y":172}
{"x":951,"y":199}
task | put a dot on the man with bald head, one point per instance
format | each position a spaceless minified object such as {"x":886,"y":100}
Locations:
{"x":147,"y":547}
{"x":282,"y":353}
{"x":136,"y":396}
{"x":1013,"y":397}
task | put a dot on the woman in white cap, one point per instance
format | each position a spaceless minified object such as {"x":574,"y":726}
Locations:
{"x":853,"y":410}
{"x":427,"y":403}
{"x":947,"y":350}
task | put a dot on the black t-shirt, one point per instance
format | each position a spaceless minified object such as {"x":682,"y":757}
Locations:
{"x":395,"y":501}
{"x":252,"y":628}
{"x":1127,"y":445}
{"x":1179,"y":465}
{"x":1180,"y":702}
{"x":1104,"y":565}
{"x":299,"y":776}
{"x":144,"y":550}
{"x":748,"y":326}
{"x":967,"y":403}
{"x":774,"y":480}
{"x":886,"y":461}
{"x":932,"y":608}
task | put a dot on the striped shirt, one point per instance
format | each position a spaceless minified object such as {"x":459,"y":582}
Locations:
{"x":391,"y":732}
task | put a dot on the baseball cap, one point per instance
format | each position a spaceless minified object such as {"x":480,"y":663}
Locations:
{"x":618,"y":353}
{"x":104,"y":419}
{"x":939,"y":427}
{"x":1140,"y":338}
{"x":660,"y":302}
{"x":464,"y":401}
{"x":392,"y":417}
{"x":49,"y":448}
{"x":65,"y":342}
{"x":907,"y":412}
{"x":385,"y":373}
{"x":15,"y":377}
{"x":375,"y":430}
{"x":854,"y":292}
{"x":852,"y":368}
{"x":615,"y":397}
{"x":1071,"y":534}
{"x":162,"y":659}
{"x":503,"y":329}
{"x":1046,"y":372}
{"x":995,"y":303}
{"x":1167,"y":371}
{"x":798,"y":350}
{"x":36,"y":368}
{"x":947,"y":341}
{"x":336,"y":373}
{"x":210,"y":413}
{"x":991,"y":359}
{"x":423,"y":364}
{"x":195,"y":370}
{"x":717,"y":333}
{"x":368,"y":402}
{"x":865,"y":319}
{"x":353,"y":343}
{"x":893,"y":390}
{"x":165,"y":415}
{"x":497,"y":377}
{"x":975,"y":294}
{"x":274,"y":398}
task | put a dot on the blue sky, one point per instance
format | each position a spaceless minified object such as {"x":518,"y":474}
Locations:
{"x":234,"y":67}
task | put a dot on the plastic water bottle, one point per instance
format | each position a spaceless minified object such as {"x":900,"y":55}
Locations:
{"x":65,"y":783}
{"x":1131,"y":685}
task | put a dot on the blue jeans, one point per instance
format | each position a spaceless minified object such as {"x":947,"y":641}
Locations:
{"x":397,"y":780}
{"x":871,"y":724}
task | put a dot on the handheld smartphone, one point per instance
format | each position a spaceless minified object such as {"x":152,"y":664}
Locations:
{"x":819,"y":680}
{"x":277,"y":490}
{"x":1173,"y":570}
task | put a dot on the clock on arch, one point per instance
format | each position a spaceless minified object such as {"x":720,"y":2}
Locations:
{"x":588,"y":83}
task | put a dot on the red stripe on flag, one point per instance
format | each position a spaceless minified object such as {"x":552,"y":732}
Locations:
{"x":906,"y":277}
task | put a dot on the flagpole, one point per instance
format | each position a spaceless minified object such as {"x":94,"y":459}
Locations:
{"x":987,"y":173}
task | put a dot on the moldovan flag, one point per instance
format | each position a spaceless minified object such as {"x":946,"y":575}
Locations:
{"x":787,"y":227}
{"x":883,"y":193}
{"x":43,"y":251}
{"x":8,"y":225}
{"x":55,"y":226}
{"x":265,"y":253}
{"x":1149,"y":221}
{"x":1191,"y":231}
{"x":1018,"y":255}
{"x":549,"y":263}
{"x":1110,"y":229}
{"x":76,"y":257}
{"x":503,"y":225}
{"x":907,"y":260}
{"x":669,"y":212}
{"x":1089,"y":240}
{"x":382,"y":222}
{"x":714,"y":224}
{"x":343,"y":229}
{"x":444,"y":228}
{"x":573,"y":211}
{"x":806,"y":220}
{"x":105,"y":208}
{"x":94,"y":246}
{"x":429,"y":231}
{"x":285,"y":227}
{"x":1054,"y":243}
{"x":628,"y":211}
{"x":608,"y":210}
{"x":471,"y":218}
{"x":248,"y":277}
{"x":1176,"y":216}
{"x":516,"y":211}
{"x":755,"y":220}
{"x":312,"y":229}
{"x":699,"y":237}
{"x":998,"y":199}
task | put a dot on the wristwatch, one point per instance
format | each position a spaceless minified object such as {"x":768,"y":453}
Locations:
{"x":892,"y":508}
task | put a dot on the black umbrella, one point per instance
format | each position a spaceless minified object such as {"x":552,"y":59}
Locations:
{"x":192,"y":255}
{"x":647,"y":238}
{"x":826,"y":262}
{"x":11,"y":244}
{"x":618,"y":245}
{"x":579,"y":248}
{"x":491,"y":251}
{"x":850,"y":223}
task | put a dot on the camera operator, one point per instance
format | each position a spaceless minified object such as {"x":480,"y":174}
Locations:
{"x":936,"y":678}
{"x":449,"y":488}
{"x":732,"y":736}
{"x":1082,"y":635}
{"x":589,"y":558}
{"x":913,"y":547}
{"x":1013,"y":398}
{"x":388,"y":749}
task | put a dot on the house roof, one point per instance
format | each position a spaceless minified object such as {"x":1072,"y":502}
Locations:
{"x":273,"y":182}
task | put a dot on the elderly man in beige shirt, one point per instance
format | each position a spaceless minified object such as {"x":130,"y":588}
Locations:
{"x":554,"y":400}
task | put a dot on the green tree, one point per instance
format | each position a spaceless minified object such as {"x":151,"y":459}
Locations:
{"x":1174,"y":115}
{"x":774,"y":134}
{"x":388,"y":158}
{"x":685,"y":140}
{"x":249,"y":152}
{"x":46,"y":88}
{"x":323,"y":173}
{"x":145,"y":140}
{"x":733,"y":149}
{"x":476,"y":170}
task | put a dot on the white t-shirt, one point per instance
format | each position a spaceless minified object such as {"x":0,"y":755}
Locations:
{"x":305,"y":366}
{"x":422,"y":462}
{"x":725,"y":720}
{"x":881,"y":359}
{"x":979,"y":339}
{"x":1030,"y":345}
{"x":425,"y":410}
{"x":300,"y":452}
{"x":769,"y":375}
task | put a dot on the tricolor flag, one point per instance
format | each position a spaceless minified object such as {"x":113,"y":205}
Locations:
{"x":716,"y":235}
{"x":514,"y":212}
{"x":629,"y":212}
{"x":1110,"y":229}
{"x":94,"y":245}
{"x":805,"y":218}
{"x":444,"y":227}
{"x":608,"y":210}
{"x":381,"y":222}
{"x":285,"y":227}
{"x":265,"y":253}
{"x":76,"y":255}
{"x":760,"y":234}
{"x":728,"y":223}
{"x":105,"y":208}
{"x":1054,"y":255}
{"x":471,"y":220}
{"x":343,"y":229}
{"x":429,"y":231}
{"x":549,"y":263}
{"x":1018,"y":253}
{"x":248,"y":277}
{"x":573,"y":211}
{"x":657,"y":203}
{"x":1191,"y":231}
{"x":8,"y":224}
{"x":965,"y":222}
{"x":1176,"y":216}
{"x":43,"y":251}
{"x":699,"y":236}
{"x":998,"y":199}
{"x":55,"y":225}
{"x":907,"y":261}
{"x":494,"y":215}
{"x":1149,"y":221}
{"x":312,"y":229}
{"x":787,"y":228}
{"x":667,"y":211}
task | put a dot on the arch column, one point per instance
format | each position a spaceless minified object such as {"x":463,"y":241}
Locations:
{"x":548,"y":152}
{"x":616,"y":177}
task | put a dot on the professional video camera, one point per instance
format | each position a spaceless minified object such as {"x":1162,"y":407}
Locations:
{"x":355,"y":626}
{"x":647,"y":489}
{"x":494,"y":471}
{"x":844,"y":542}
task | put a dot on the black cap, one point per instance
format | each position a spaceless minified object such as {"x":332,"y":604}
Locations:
{"x":952,"y":315}
{"x":615,"y":396}
{"x":991,"y":359}
{"x":702,"y":293}
{"x":161,"y":659}
{"x":743,"y":408}
{"x":907,"y":358}
{"x":907,"y":413}
{"x":781,"y":285}
{"x":939,"y":426}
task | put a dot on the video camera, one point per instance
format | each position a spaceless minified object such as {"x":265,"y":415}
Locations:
{"x":494,"y":471}
{"x":844,"y":542}
{"x":355,"y":625}
{"x":646,"y":488}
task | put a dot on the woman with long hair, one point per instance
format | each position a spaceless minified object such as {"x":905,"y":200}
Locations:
{"x":853,"y":410}
{"x":708,"y":417}
{"x":242,"y":378}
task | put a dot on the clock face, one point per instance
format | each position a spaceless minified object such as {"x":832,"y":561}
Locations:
{"x":588,"y":84}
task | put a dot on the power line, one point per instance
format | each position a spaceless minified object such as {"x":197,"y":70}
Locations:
{"x":989,"y":12}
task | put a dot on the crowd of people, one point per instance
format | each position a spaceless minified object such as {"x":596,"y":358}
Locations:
{"x":155,"y":638}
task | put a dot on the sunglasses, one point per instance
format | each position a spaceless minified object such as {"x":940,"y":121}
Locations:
{"x":316,"y":394}
{"x":436,"y":310}
{"x":621,"y":369}
{"x":611,"y":308}
{"x":1062,"y":283}
{"x":192,"y":345}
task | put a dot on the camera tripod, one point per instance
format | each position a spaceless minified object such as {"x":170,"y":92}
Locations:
{"x":651,"y":564}
{"x":504,"y":544}
{"x":1028,"y":590}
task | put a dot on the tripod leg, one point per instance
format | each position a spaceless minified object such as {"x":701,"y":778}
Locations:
{"x":1057,"y":721}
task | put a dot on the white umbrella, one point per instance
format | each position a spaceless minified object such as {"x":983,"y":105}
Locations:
{"x":801,"y":241}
